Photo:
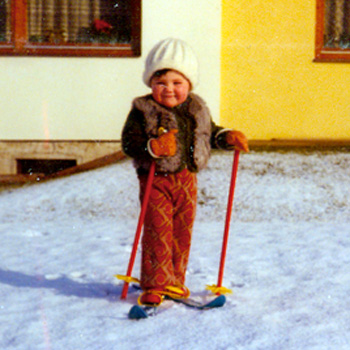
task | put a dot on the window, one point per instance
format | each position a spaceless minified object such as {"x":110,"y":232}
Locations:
{"x":43,"y":166}
{"x":70,"y":27}
{"x":333,"y":31}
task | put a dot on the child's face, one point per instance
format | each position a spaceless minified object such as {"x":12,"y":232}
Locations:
{"x":170,"y":89}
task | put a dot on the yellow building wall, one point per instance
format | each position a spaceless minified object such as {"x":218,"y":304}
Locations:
{"x":270,"y":86}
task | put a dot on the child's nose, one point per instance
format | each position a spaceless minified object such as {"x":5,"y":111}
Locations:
{"x":168,"y":87}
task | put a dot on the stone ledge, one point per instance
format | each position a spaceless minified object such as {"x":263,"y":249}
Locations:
{"x":35,"y":178}
{"x":295,"y":144}
{"x":80,"y":151}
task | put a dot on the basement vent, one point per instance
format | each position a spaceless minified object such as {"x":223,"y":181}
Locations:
{"x":43,"y":166}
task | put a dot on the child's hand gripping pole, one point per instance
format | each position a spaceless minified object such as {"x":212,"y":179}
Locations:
{"x":219,"y":289}
{"x":138,"y":230}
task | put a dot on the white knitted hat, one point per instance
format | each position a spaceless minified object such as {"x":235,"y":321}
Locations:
{"x":172,"y":54}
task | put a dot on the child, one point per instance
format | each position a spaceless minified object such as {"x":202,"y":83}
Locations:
{"x":173,"y":127}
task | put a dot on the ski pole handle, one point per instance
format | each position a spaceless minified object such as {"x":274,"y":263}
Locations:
{"x":139,"y":227}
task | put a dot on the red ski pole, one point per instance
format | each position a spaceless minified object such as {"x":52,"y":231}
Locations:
{"x":139,"y":229}
{"x":218,"y":289}
{"x":228,"y":217}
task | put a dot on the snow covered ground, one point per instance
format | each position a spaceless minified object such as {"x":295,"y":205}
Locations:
{"x":287,"y":261}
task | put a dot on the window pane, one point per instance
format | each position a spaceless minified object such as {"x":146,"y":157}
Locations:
{"x":79,"y":21}
{"x":5,"y":21}
{"x":337,"y":24}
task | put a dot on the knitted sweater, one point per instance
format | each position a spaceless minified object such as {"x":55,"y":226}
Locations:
{"x":196,"y":136}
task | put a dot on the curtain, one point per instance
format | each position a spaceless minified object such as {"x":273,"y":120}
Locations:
{"x":61,"y":20}
{"x":337,"y":23}
{"x":5,"y":21}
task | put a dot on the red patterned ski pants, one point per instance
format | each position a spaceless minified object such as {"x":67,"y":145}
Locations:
{"x":168,"y":227}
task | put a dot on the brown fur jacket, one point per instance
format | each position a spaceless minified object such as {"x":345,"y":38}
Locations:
{"x":147,"y":116}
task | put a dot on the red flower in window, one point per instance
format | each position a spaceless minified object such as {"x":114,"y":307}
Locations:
{"x":101,"y":26}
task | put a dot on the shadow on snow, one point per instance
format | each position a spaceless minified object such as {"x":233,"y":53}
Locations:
{"x":63,"y":285}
